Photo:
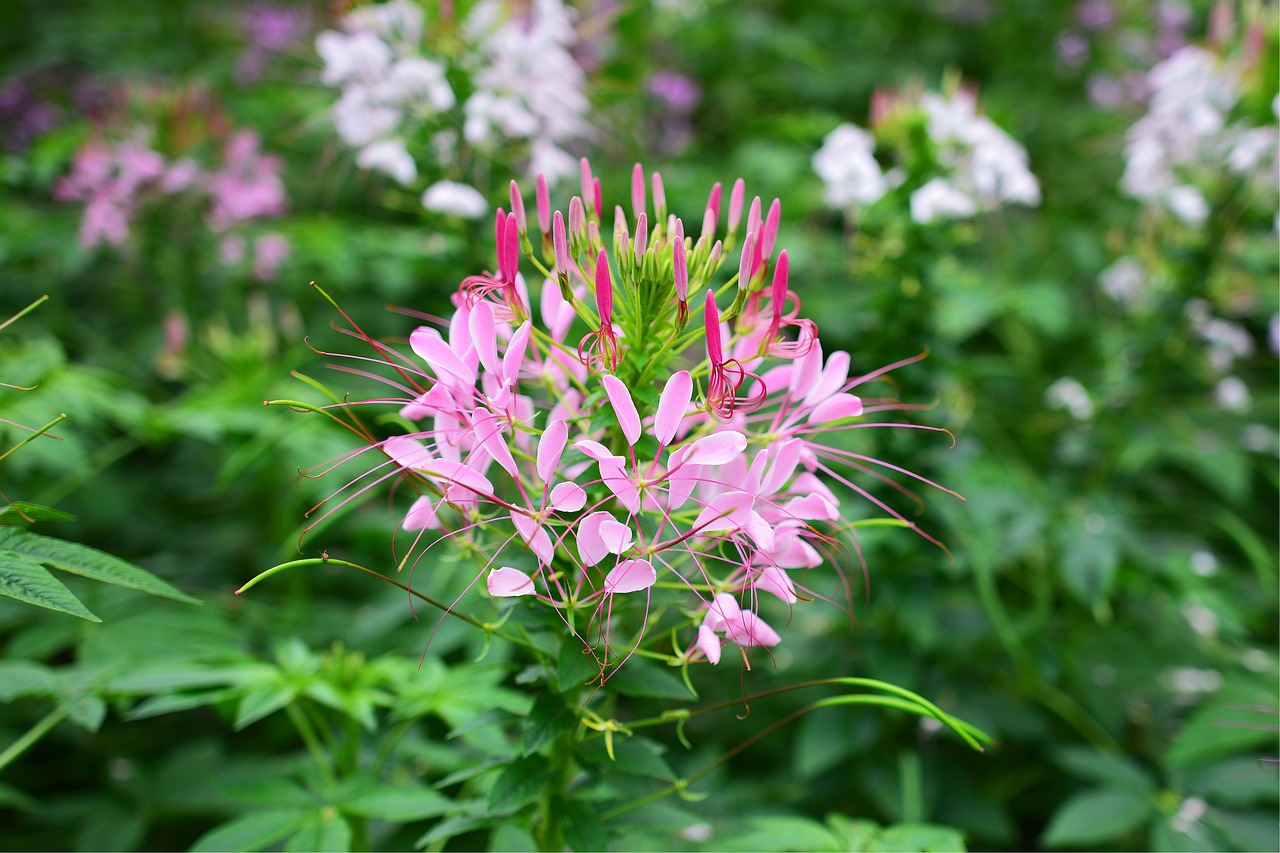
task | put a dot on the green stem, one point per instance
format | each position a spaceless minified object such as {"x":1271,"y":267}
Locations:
{"x":549,"y":832}
{"x":25,"y":311}
{"x":308,"y":734}
{"x":36,"y":434}
{"x":909,"y":776}
{"x":33,"y":734}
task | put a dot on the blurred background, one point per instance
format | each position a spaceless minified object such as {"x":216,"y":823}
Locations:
{"x":1103,"y":350}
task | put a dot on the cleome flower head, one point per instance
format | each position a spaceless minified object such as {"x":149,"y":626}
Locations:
{"x":640,"y":469}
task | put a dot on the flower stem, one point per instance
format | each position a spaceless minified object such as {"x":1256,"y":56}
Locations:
{"x":32,"y":735}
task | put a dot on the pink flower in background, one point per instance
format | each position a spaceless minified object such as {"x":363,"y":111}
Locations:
{"x":111,"y":181}
{"x":270,"y":28}
{"x":269,"y":252}
{"x":248,"y":186}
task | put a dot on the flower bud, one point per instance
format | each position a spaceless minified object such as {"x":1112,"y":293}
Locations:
{"x":561,"y":244}
{"x":736,"y":199}
{"x":769,"y":235}
{"x":577,"y":219}
{"x":642,"y":236}
{"x":604,"y":290}
{"x":637,"y":191}
{"x":544,"y":205}
{"x":588,"y":182}
{"x":659,"y":197}
{"x":517,"y":207}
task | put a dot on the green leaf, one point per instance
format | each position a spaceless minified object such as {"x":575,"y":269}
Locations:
{"x":19,"y":512}
{"x":1252,"y":831}
{"x":1111,"y":769}
{"x":1238,"y":782}
{"x":575,"y":665}
{"x":1219,"y":730}
{"x":449,"y":827}
{"x":642,"y":679}
{"x":325,"y":831}
{"x":519,"y":784}
{"x":400,"y":803}
{"x":511,"y":838}
{"x":927,"y":838}
{"x":782,"y":834}
{"x":26,"y":580}
{"x":87,"y":712}
{"x":19,"y":678}
{"x":167,"y":676}
{"x":636,"y":755}
{"x":262,"y":702}
{"x":1099,"y":815}
{"x":549,"y":718}
{"x":583,"y":829}
{"x":252,"y":832}
{"x":855,"y":835}
{"x":89,"y":562}
{"x":172,"y":702}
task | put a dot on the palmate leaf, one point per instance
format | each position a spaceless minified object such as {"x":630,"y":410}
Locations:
{"x":23,"y":578}
{"x":89,"y":562}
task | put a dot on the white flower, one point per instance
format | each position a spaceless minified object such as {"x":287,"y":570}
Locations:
{"x":398,"y":22}
{"x":1232,"y":394}
{"x":456,"y":199}
{"x":358,"y":56}
{"x":413,"y":79}
{"x":1124,"y":281}
{"x":390,"y":157}
{"x":359,"y":119}
{"x":940,"y":199}
{"x":1067,"y":393}
{"x":1188,"y":204}
{"x":847,"y":165}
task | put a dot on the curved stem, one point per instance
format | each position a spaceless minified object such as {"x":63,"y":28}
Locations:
{"x":32,"y":735}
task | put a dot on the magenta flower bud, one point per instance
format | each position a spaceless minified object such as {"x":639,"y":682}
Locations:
{"x":714,"y":352}
{"x":544,"y":205}
{"x":642,"y":235}
{"x":680,"y":266}
{"x":713,"y":201}
{"x":708,"y":226}
{"x":676,"y":227}
{"x":779,"y":292}
{"x":659,"y":197}
{"x":517,"y":206}
{"x":637,"y":191}
{"x":716,"y":250}
{"x":577,"y":218}
{"x":593,"y":236}
{"x":746,"y":264}
{"x":604,"y":289}
{"x":753,"y":216}
{"x":584,"y":172}
{"x":509,"y":251}
{"x":736,"y":198}
{"x":561,"y":243}
{"x":770,"y":233}
{"x":598,"y":195}
{"x":499,"y":231}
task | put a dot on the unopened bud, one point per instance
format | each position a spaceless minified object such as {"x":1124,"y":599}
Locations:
{"x":753,"y":217}
{"x":637,"y":191}
{"x":713,"y":200}
{"x":680,"y":267}
{"x":745,"y":262}
{"x":604,"y":289}
{"x":769,"y":235}
{"x":588,"y":182}
{"x":642,"y":236}
{"x":544,"y":205}
{"x":517,"y":207}
{"x":577,"y":219}
{"x":593,"y":237}
{"x":659,"y":197}
{"x":736,"y":198}
{"x":561,"y":244}
{"x":598,"y":196}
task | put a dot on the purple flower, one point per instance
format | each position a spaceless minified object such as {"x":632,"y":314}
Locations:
{"x":1095,"y":14}
{"x":674,"y":89}
{"x":1073,"y":48}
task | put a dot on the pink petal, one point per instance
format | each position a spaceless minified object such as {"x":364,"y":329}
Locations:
{"x":421,"y":516}
{"x":750,"y":630}
{"x":812,"y":508}
{"x":775,"y":581}
{"x":614,"y":475}
{"x":568,"y":497}
{"x":805,"y":371}
{"x":560,"y":243}
{"x":591,"y":546}
{"x":759,"y":530}
{"x":513,"y":358}
{"x":745,"y":261}
{"x":637,"y":190}
{"x":517,"y":205}
{"x":467,"y":478}
{"x":617,"y":537}
{"x":488,"y":432}
{"x":551,"y":448}
{"x":432,"y":349}
{"x":509,"y":251}
{"x":784,"y":459}
{"x":506,"y":582}
{"x":831,"y":380}
{"x":630,"y":576}
{"x":623,"y":407}
{"x":672,"y":406}
{"x":715,"y":449}
{"x":598,"y":451}
{"x":534,"y":536}
{"x":722,"y":610}
{"x":728,"y":511}
{"x":709,"y":643}
{"x":737,"y":196}
{"x":484,"y":336}
{"x":407,"y":452}
{"x":836,"y":408}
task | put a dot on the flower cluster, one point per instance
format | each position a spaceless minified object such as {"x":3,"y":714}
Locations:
{"x":116,"y":180}
{"x":971,"y":165}
{"x":1187,"y":140}
{"x":525,"y":87}
{"x":635,"y":427}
